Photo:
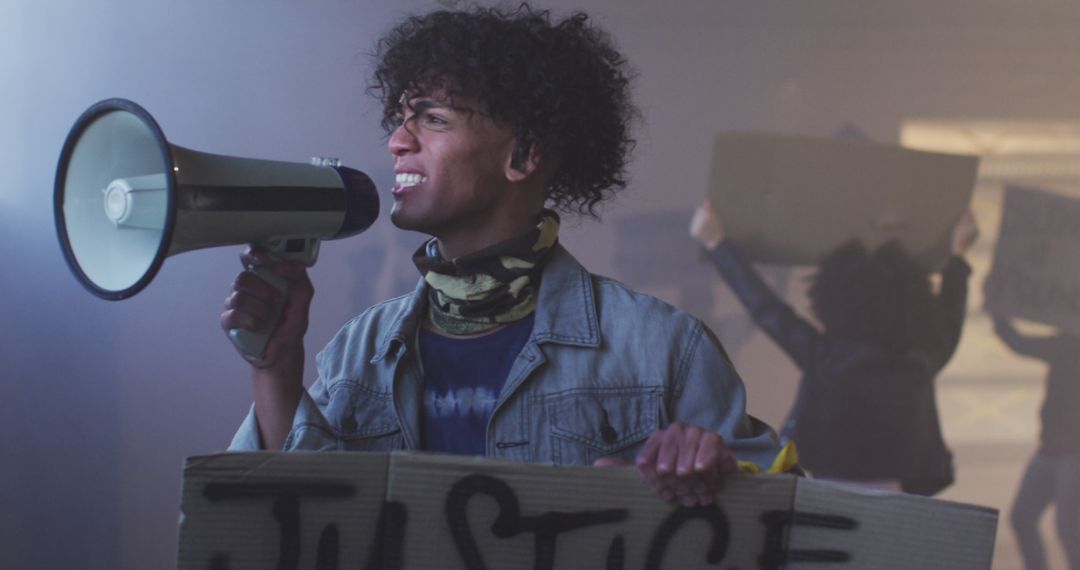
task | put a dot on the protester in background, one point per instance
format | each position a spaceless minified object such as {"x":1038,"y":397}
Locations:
{"x":865,"y":410}
{"x":508,"y":347}
{"x":1053,"y":475}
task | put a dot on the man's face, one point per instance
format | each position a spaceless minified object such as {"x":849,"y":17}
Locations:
{"x":450,"y":166}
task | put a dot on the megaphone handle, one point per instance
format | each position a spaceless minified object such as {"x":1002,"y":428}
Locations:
{"x":253,"y":343}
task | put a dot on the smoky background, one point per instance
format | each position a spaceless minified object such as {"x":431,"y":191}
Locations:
{"x":101,"y":401}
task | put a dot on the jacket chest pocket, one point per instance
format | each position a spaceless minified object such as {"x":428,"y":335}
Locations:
{"x":604,"y":422}
{"x":363,"y":420}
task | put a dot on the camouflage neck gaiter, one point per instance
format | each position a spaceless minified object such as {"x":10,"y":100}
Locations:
{"x":494,"y":286}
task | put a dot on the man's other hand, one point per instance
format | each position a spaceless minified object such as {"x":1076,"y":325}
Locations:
{"x":683,"y":463}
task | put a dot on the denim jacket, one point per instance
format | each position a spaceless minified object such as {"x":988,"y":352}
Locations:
{"x":603,"y":369}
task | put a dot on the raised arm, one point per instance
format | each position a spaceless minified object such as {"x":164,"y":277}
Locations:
{"x":1033,"y":346}
{"x":954,"y":286}
{"x":794,"y":335}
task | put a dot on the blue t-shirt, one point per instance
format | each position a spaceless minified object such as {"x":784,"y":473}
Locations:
{"x":462,"y":381}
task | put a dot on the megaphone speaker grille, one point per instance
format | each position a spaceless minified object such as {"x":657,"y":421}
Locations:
{"x":114,"y":198}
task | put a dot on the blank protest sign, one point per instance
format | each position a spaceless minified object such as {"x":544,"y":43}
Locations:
{"x":790,"y":200}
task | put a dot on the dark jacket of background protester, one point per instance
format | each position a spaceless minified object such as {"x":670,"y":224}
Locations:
{"x":861,"y":412}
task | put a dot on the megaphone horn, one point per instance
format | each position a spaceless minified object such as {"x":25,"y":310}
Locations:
{"x":125,"y":199}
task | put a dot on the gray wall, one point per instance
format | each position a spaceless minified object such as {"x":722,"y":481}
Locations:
{"x":100,"y":402}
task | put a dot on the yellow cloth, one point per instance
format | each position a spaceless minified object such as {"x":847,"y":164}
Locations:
{"x":786,"y":461}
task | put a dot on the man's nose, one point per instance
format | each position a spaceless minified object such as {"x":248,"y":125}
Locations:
{"x":403,"y":141}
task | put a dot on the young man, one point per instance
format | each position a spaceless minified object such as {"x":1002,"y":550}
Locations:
{"x":508,"y":347}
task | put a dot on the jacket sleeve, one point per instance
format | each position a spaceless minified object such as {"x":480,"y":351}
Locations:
{"x":953,"y":299}
{"x":310,"y":430}
{"x":797,"y":337}
{"x":710,"y":394}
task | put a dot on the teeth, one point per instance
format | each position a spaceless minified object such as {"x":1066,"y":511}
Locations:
{"x":405,"y":180}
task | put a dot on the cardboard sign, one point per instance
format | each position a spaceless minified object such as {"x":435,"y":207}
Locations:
{"x":1035,"y":275}
{"x":405,"y":511}
{"x":791,"y":200}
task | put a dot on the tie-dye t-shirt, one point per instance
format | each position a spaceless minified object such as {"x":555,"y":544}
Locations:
{"x":463,"y":378}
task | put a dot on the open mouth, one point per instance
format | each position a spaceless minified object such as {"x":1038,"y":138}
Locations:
{"x":408,"y":180}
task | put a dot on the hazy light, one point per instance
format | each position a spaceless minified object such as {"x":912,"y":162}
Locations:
{"x":1011,"y":150}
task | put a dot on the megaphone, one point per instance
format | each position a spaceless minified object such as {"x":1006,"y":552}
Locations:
{"x":125,"y":199}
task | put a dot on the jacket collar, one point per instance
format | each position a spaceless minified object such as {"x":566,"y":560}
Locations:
{"x":565,"y":310}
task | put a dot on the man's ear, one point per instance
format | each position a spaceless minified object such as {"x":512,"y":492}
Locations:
{"x":523,"y":161}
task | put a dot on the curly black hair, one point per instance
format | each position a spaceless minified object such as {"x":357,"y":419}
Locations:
{"x":884,"y":297}
{"x":562,"y":84}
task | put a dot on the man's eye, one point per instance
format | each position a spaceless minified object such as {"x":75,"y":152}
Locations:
{"x":434,"y":119}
